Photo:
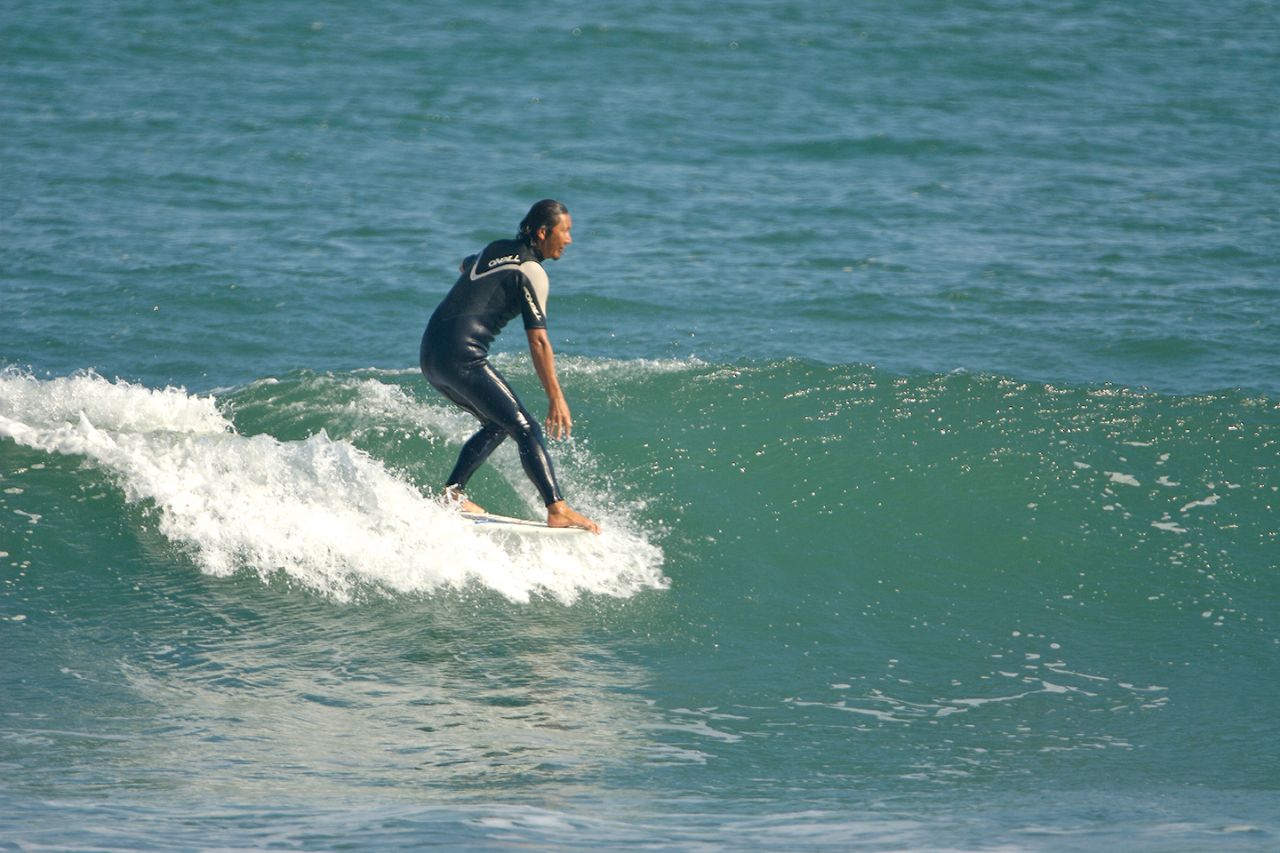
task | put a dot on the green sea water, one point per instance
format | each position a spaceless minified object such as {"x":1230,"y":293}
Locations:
{"x":923,"y":362}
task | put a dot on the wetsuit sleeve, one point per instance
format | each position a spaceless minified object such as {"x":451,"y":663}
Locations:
{"x":467,"y":263}
{"x":534,"y":288}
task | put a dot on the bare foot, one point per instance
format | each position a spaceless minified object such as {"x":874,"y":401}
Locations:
{"x":461,"y":502}
{"x":560,"y":514}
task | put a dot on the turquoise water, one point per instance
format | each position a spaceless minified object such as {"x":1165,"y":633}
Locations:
{"x":923,"y":361}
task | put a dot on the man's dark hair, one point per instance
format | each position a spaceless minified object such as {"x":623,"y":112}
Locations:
{"x":545,"y":213}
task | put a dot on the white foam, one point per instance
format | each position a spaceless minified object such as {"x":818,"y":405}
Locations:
{"x":581,"y":366}
{"x":1209,"y":501}
{"x":320,"y":510}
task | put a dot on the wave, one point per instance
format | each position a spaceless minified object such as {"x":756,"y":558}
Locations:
{"x":699,"y":469}
{"x":317,"y":508}
{"x":940,"y":580}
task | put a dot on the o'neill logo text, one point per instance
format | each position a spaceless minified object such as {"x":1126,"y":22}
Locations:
{"x":533,"y":304}
{"x":506,"y":259}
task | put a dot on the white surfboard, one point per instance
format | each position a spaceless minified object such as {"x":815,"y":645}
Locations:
{"x":507,"y":524}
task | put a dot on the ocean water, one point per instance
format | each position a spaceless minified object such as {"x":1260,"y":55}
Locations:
{"x":925,"y":368}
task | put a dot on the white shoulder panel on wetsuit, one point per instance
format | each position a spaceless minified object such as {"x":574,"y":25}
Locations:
{"x":541,"y":284}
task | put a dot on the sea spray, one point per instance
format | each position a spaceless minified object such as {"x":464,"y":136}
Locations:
{"x":317,"y":509}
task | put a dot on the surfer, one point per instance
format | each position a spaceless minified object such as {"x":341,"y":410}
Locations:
{"x":505,"y":279}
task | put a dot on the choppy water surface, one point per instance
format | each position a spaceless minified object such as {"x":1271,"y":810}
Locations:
{"x":923,"y":366}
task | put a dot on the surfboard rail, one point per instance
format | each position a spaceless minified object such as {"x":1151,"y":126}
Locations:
{"x":506,"y":523}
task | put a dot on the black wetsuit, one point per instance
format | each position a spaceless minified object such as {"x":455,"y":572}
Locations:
{"x":502,"y":281}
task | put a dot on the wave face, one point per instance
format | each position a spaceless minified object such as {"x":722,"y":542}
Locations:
{"x":816,"y":582}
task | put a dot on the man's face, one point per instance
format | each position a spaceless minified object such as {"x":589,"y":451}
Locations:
{"x":553,"y":242}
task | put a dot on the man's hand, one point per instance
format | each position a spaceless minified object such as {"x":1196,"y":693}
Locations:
{"x":559,"y":422}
